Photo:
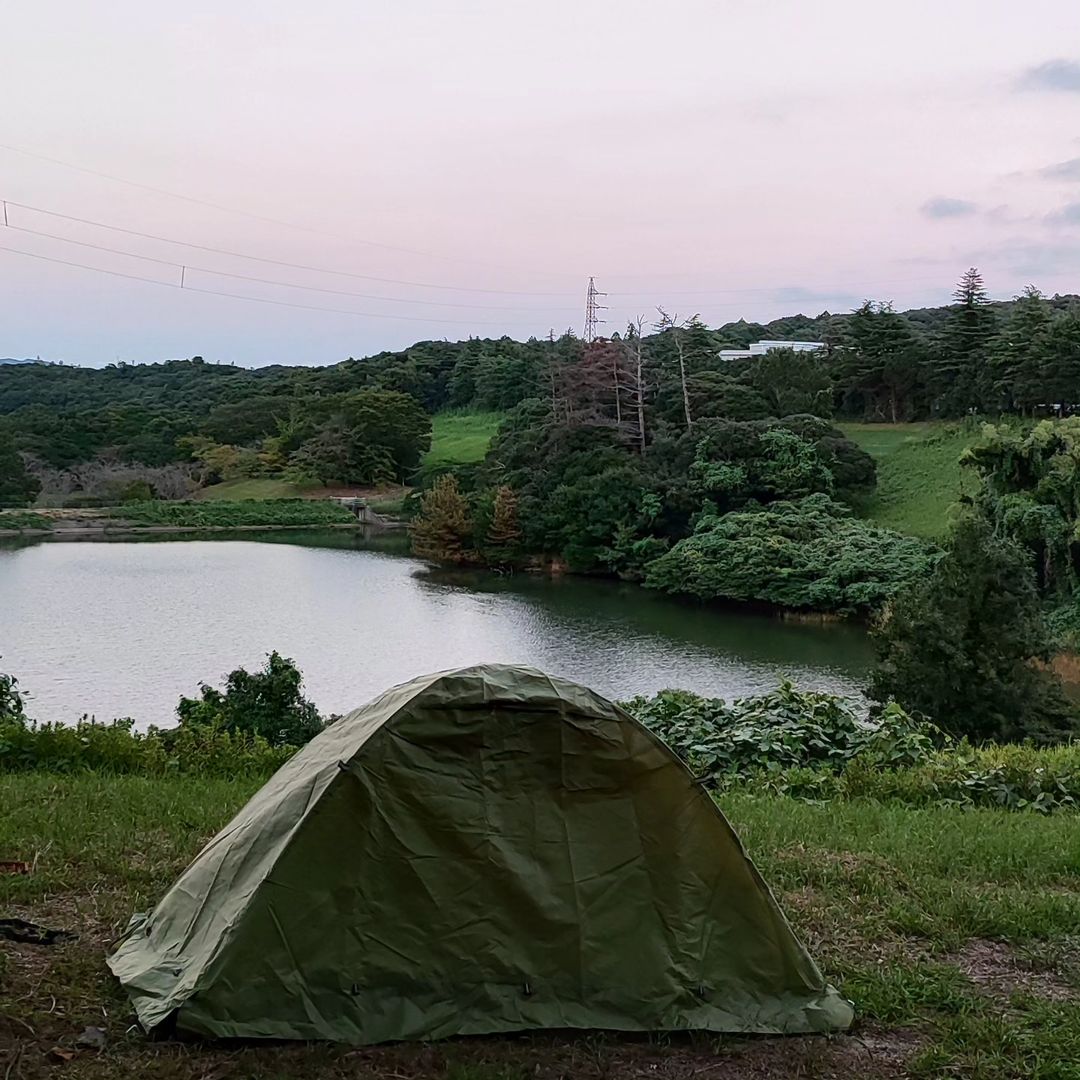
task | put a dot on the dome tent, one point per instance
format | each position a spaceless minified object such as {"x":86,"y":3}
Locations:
{"x":477,"y":851}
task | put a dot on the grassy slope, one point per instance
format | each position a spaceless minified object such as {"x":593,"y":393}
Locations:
{"x":461,"y":438}
{"x":949,"y":929}
{"x":919,"y":475}
{"x":261,"y":488}
{"x":456,"y":439}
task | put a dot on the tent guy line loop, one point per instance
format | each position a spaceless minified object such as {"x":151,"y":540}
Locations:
{"x":250,"y":299}
{"x":276,"y":262}
{"x":259,"y":217}
{"x":269,"y":281}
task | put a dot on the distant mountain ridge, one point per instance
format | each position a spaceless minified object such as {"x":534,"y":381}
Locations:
{"x":12,"y":360}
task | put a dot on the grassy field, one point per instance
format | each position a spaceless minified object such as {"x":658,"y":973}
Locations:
{"x":919,"y":476}
{"x":258,"y":488}
{"x":461,"y":438}
{"x":955,"y":933}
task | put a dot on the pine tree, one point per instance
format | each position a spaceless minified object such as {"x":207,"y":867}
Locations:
{"x":504,"y":533}
{"x":442,"y":530}
{"x":880,"y":363}
{"x":1019,"y":355}
{"x":963,"y":373}
{"x":1061,"y":365}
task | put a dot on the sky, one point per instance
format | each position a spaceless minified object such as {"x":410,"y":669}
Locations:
{"x":425,"y":169}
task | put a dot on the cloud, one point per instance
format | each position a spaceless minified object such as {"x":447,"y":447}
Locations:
{"x":943,"y":207}
{"x":1069,"y":214}
{"x":1029,"y":259}
{"x":1060,"y":76}
{"x":1063,"y":170}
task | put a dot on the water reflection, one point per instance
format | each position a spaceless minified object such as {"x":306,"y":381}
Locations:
{"x":125,"y":628}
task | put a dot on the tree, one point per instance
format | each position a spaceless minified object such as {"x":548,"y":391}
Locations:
{"x":1062,"y":365}
{"x":1019,"y":355}
{"x":442,"y":530}
{"x":504,"y":533}
{"x":963,"y":373}
{"x":635,"y":367}
{"x":269,"y":704}
{"x":683,"y":349}
{"x":879,"y":364}
{"x":791,"y":382}
{"x":962,"y":646}
{"x":366,"y":437}
{"x":17,"y":486}
{"x":12,"y":706}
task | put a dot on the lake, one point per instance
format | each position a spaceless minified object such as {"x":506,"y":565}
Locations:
{"x":124,"y":628}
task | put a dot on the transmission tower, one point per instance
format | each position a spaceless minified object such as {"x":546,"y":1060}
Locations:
{"x":592,"y":319}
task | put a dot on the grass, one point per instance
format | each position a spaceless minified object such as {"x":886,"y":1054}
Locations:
{"x":919,"y":475}
{"x":257,"y":488}
{"x":24,"y":519}
{"x":954,"y":932}
{"x":461,"y":438}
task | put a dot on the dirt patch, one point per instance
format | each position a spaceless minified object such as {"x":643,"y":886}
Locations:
{"x":871,"y":1055}
{"x":1000,"y":970}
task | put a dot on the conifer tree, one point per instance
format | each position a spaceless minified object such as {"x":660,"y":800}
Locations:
{"x":963,"y":372}
{"x":504,"y":533}
{"x":1019,"y":355}
{"x":442,"y":530}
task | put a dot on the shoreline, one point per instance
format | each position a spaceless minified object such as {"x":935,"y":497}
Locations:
{"x":80,"y":531}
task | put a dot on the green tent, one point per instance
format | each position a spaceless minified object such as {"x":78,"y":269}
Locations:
{"x":483,"y":850}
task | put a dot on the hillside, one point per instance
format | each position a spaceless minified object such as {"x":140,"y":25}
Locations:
{"x":927,"y":321}
{"x":918,"y":473}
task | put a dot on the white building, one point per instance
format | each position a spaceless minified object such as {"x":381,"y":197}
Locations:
{"x":758,"y":348}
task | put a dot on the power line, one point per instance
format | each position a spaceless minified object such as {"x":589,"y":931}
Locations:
{"x":233,"y":210}
{"x":241,"y":296}
{"x":187,"y":267}
{"x":274,"y":262}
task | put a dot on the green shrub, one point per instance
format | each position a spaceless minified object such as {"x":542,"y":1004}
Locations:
{"x":806,"y":554}
{"x":24,"y":519}
{"x":817,"y":747}
{"x":223,"y":514}
{"x":268,"y":704}
{"x":116,"y":747}
{"x":784,"y":729}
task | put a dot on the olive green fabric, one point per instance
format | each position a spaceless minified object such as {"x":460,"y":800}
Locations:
{"x":476,"y":851}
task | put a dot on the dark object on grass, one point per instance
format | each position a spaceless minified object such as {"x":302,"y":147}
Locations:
{"x":29,"y":933}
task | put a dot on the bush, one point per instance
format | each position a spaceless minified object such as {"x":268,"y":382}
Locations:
{"x":809,"y":554}
{"x":24,"y":519}
{"x":963,"y":645}
{"x":115,"y":747}
{"x":784,"y":729}
{"x":267,"y":704}
{"x":818,"y":747}
{"x":223,"y":514}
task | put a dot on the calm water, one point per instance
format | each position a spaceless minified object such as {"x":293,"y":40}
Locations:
{"x":125,"y":628}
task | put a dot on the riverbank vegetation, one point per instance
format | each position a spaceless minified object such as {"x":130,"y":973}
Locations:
{"x":160,"y":515}
{"x":808,"y":744}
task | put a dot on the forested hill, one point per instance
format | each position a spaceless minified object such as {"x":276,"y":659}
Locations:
{"x":199,"y":386}
{"x":975,"y":355}
{"x":929,"y":321}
